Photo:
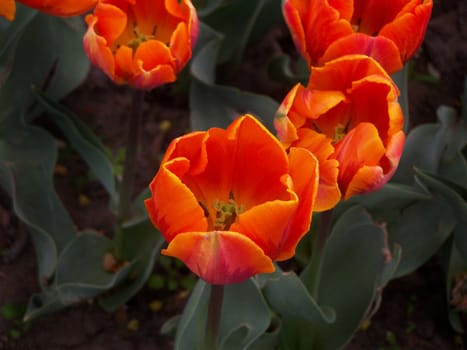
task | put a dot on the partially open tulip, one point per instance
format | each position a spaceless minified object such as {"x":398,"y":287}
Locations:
{"x":62,"y":8}
{"x":143,"y":43}
{"x":230,"y":202}
{"x":349,"y":118}
{"x":388,"y":30}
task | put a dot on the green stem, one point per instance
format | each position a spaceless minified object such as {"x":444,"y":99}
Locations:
{"x":214,"y":316}
{"x":129,"y":167}
{"x":318,"y":248}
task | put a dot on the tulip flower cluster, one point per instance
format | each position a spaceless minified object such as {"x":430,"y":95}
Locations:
{"x":229,"y":202}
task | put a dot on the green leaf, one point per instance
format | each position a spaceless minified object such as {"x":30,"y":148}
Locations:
{"x":245,"y":317}
{"x":80,"y":275}
{"x":352,"y":264}
{"x":423,"y":149}
{"x":215,"y":105}
{"x":83,"y":140}
{"x":27,"y":160}
{"x":288,"y":296}
{"x":56,"y":45}
{"x":420,"y":229}
{"x":453,"y":199}
{"x":141,"y":244}
{"x":9,"y":38}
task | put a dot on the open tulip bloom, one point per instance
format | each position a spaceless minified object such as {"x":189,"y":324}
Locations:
{"x":349,"y":118}
{"x":62,"y":8}
{"x":143,"y":43}
{"x":230,"y":202}
{"x":388,"y":30}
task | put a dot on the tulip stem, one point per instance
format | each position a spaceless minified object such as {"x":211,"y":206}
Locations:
{"x":214,"y":316}
{"x":318,"y":249}
{"x":129,"y":166}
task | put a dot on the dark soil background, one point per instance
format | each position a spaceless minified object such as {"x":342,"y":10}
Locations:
{"x":413,"y":313}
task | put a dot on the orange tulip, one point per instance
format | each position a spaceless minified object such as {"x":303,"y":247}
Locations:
{"x":349,"y":118}
{"x":144,"y":43}
{"x":8,"y":9}
{"x":62,"y":8}
{"x":388,"y":30}
{"x":230,"y":202}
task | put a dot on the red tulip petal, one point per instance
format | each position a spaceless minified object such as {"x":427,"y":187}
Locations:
{"x":111,"y":22}
{"x":328,"y":194}
{"x":382,"y":49}
{"x":305,"y":176}
{"x":361,"y":147}
{"x":172,"y":207}
{"x":366,"y":179}
{"x":180,"y":46}
{"x":220,"y":257}
{"x":414,"y":23}
{"x":266,"y":224}
{"x":97,"y":49}
{"x":61,"y":7}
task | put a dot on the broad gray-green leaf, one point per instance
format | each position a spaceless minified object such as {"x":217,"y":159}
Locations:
{"x":83,"y":140}
{"x":56,"y":45}
{"x":288,"y":296}
{"x":352,"y":264}
{"x":141,"y":244}
{"x":245,"y":317}
{"x":80,"y":275}
{"x":9,"y":38}
{"x":215,"y":105}
{"x":27,"y":161}
{"x":420,"y":229}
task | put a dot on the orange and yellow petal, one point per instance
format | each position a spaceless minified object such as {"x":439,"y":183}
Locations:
{"x":328,"y":193}
{"x":97,"y":49}
{"x":408,"y":30}
{"x":304,"y":171}
{"x":259,"y":163}
{"x":8,"y":9}
{"x":173,"y":208}
{"x":266,"y":223}
{"x":220,"y":257}
{"x":361,"y":147}
{"x":111,"y":21}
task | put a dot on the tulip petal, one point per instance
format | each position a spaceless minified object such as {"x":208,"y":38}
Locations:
{"x":382,"y":49}
{"x":111,"y":22}
{"x":97,"y":49}
{"x":361,"y":147}
{"x":173,"y":208}
{"x":219,"y":257}
{"x":254,"y":150}
{"x":266,"y":224}
{"x":304,"y":172}
{"x":328,"y":193}
{"x":414,"y":23}
{"x":62,"y":8}
{"x":8,"y":9}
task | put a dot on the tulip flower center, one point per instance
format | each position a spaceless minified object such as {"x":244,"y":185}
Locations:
{"x":225,"y":213}
{"x":339,"y":132}
{"x":140,"y":37}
